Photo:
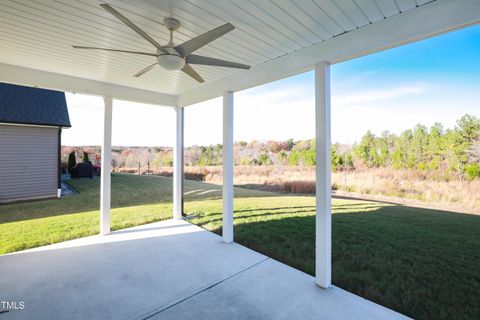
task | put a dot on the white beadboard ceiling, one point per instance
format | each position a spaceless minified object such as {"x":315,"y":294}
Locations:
{"x":38,"y":34}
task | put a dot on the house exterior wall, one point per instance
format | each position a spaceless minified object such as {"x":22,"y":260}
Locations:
{"x":28,"y":162}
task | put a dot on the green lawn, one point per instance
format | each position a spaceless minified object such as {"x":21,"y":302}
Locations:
{"x":423,"y":263}
{"x":136,"y":200}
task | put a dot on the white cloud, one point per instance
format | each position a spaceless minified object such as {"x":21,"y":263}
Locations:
{"x":366,"y":96}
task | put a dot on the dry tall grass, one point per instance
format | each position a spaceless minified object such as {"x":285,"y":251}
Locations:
{"x":406,"y":184}
{"x":411,"y":184}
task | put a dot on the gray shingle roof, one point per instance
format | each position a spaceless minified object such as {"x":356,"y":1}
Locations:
{"x":27,"y":105}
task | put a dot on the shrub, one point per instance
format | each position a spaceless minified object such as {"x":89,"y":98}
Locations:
{"x":472,"y":171}
{"x":85,"y":157}
{"x":434,"y":164}
{"x":293,"y":159}
{"x":263,"y":159}
{"x":245,"y":161}
{"x":336,"y":157}
{"x":72,"y":161}
{"x":282,"y":155}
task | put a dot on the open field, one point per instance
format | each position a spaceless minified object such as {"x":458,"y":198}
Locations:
{"x":423,"y":263}
{"x":405,"y":186}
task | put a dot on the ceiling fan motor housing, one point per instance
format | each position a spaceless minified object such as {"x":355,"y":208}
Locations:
{"x":171,"y":60}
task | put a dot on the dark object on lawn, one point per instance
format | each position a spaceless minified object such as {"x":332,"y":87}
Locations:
{"x":73,"y":173}
{"x":96,"y":170}
{"x":82,"y":170}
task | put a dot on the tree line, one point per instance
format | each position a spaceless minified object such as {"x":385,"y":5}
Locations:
{"x":454,"y":151}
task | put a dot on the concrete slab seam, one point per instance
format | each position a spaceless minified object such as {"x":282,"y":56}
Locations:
{"x":171,"y":305}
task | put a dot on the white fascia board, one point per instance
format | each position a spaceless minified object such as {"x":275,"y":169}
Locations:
{"x":426,"y":21}
{"x":49,"y":80}
{"x":29,"y":125}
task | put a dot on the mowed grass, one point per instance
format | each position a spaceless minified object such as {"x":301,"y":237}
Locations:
{"x":136,"y":200}
{"x":423,"y":263}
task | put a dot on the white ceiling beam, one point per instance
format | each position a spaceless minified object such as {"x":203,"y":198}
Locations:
{"x":48,"y":80}
{"x":423,"y":22}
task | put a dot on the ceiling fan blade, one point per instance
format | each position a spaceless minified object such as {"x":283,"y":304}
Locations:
{"x":192,"y":73}
{"x":196,"y":43}
{"x":195,"y":59}
{"x":129,"y":23}
{"x":106,"y":49}
{"x":139,"y":73}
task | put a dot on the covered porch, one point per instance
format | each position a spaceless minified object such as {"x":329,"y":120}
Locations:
{"x":168,"y":270}
{"x":173,"y":269}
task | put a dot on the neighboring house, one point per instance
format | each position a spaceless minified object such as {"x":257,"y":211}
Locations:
{"x":31,"y":122}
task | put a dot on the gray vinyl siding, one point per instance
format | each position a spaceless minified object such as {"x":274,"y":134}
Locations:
{"x":28,"y":162}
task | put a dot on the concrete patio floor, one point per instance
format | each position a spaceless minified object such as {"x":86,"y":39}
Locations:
{"x":167,"y":270}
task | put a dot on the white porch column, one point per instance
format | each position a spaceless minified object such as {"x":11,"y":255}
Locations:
{"x":178,"y":166}
{"x":105,"y":190}
{"x":323,"y":243}
{"x":227,"y":167}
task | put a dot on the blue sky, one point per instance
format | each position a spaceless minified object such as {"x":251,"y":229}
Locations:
{"x":434,"y":80}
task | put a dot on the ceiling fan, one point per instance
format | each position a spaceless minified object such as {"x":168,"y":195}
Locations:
{"x":171,"y":56}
